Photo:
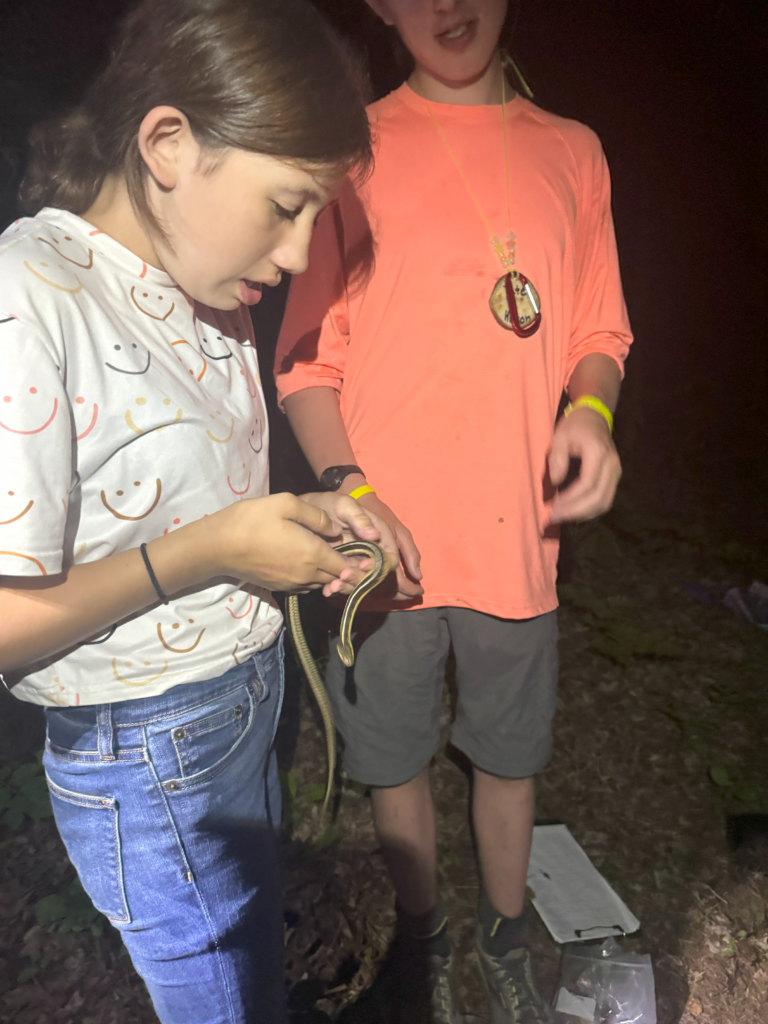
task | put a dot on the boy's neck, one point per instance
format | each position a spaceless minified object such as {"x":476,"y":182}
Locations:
{"x":481,"y":91}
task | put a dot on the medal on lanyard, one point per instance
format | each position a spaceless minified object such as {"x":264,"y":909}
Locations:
{"x":515,"y":304}
{"x":514,"y":301}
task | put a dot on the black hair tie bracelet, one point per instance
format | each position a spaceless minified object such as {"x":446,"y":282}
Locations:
{"x":151,"y":571}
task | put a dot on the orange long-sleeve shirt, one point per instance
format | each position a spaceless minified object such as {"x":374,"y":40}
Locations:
{"x":449,"y":414}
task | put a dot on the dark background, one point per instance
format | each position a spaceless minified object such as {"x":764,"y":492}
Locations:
{"x":676,"y":91}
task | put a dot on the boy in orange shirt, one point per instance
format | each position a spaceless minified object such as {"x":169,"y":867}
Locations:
{"x":429,"y":389}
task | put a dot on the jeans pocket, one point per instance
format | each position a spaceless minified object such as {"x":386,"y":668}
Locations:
{"x":205,"y":741}
{"x":89,"y":826}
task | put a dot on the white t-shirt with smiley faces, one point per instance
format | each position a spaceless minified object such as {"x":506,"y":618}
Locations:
{"x":126,"y":411}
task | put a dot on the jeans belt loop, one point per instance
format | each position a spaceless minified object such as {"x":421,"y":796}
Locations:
{"x":106,"y":736}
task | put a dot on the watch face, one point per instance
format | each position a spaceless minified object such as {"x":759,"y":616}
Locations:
{"x":333,"y":477}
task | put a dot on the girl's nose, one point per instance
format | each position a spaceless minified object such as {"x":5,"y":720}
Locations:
{"x":292,"y":259}
{"x":292,"y":255}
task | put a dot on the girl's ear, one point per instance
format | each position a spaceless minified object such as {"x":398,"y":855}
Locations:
{"x":164,"y":135}
{"x":381,"y":8}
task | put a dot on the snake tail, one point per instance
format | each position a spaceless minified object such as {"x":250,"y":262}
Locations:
{"x":346,"y":652}
{"x":318,"y":690}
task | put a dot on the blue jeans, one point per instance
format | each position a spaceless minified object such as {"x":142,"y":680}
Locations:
{"x":169,"y":807}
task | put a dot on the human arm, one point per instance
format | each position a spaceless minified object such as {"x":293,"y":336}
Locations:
{"x":275,"y":542}
{"x":315,"y":418}
{"x":310,"y":364}
{"x":585,"y":435}
{"x":598,"y":346}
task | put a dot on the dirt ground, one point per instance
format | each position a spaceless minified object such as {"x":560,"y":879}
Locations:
{"x":661,"y":734}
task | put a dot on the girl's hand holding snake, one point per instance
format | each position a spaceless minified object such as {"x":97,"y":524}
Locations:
{"x":278,"y":542}
{"x":282,"y":542}
{"x":352,"y":522}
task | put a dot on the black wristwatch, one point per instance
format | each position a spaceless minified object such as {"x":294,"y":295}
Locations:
{"x":332,"y":478}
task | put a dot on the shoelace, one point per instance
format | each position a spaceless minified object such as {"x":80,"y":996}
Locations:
{"x":517,"y":986}
{"x":442,"y":997}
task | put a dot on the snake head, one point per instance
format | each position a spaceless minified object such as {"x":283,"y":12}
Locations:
{"x":346,"y":653}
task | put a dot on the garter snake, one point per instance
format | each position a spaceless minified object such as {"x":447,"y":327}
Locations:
{"x":344,"y":647}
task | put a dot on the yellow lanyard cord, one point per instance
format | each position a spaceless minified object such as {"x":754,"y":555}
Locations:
{"x":506,"y":145}
{"x":494,"y":240}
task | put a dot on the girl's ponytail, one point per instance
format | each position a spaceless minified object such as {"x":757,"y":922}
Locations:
{"x":64,"y":168}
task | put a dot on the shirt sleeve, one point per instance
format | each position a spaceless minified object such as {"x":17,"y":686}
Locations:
{"x":600,"y":322}
{"x":35,"y":452}
{"x":314,"y":337}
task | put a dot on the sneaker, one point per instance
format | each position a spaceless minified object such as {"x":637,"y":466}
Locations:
{"x":413,"y":986}
{"x":511,"y":988}
{"x":442,"y":997}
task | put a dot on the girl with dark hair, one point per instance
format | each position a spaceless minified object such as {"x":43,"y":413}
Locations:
{"x":138,"y":545}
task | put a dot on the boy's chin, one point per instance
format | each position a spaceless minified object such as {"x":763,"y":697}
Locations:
{"x":459,"y":70}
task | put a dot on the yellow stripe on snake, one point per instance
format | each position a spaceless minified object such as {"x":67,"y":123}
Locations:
{"x":362,"y":549}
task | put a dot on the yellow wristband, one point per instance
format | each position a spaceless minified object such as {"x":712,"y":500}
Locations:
{"x":360,"y":491}
{"x":590,"y":402}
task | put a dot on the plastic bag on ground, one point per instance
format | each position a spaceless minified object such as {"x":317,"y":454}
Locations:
{"x":601,"y":984}
{"x":751,"y":604}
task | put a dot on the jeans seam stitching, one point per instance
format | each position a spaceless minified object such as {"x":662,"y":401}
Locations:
{"x":175,"y":714}
{"x":281,"y":685}
{"x":126,"y":919}
{"x":177,"y":752}
{"x":205,"y":732}
{"x":92,"y":756}
{"x":187,"y":782}
{"x":219,"y":714}
{"x":97,"y":803}
{"x":191,"y":876}
{"x":81,"y":800}
{"x":171,"y":820}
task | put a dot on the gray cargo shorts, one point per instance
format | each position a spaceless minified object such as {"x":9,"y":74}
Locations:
{"x":388,"y":706}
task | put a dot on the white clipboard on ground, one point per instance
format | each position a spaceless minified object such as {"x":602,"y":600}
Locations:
{"x":570,"y":895}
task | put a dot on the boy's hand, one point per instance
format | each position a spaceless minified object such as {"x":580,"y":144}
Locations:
{"x":397,"y":541}
{"x":350,"y":520}
{"x":583,"y":435}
